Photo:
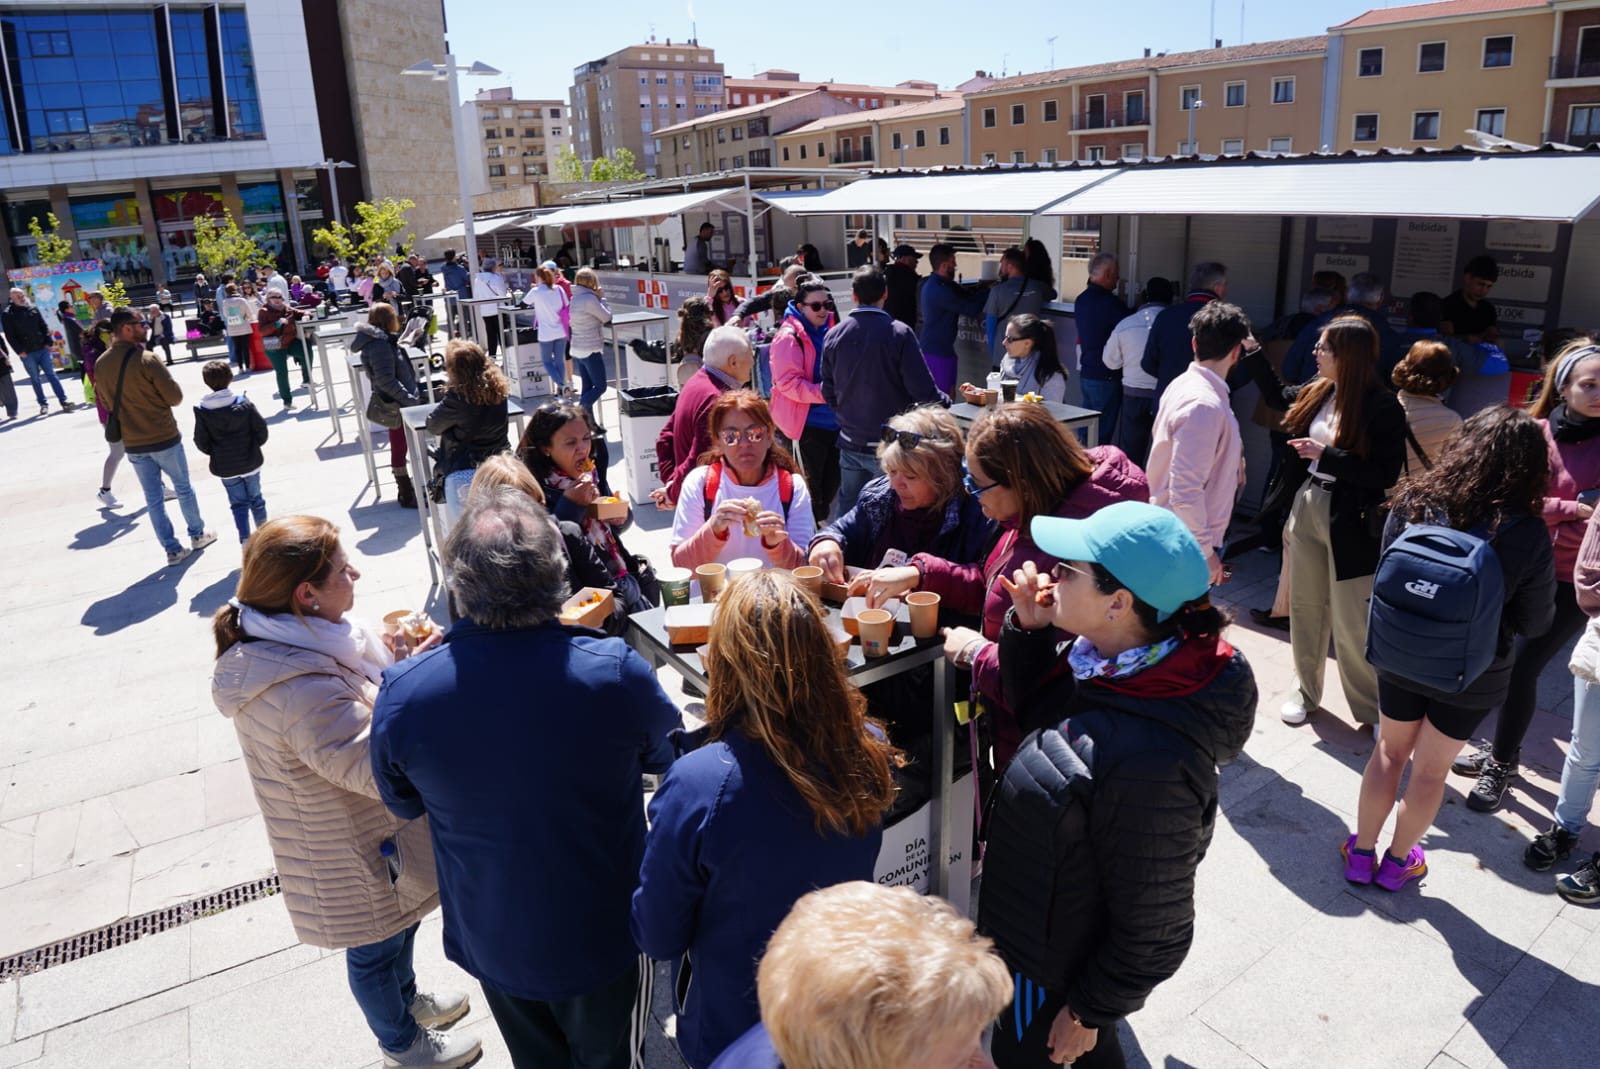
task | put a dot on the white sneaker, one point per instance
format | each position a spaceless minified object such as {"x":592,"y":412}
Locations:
{"x":205,"y":539}
{"x":182,"y":554}
{"x":436,"y":1050}
{"x":1293,"y":712}
{"x":168,"y":494}
{"x":108,"y":500}
{"x":439,"y":1009}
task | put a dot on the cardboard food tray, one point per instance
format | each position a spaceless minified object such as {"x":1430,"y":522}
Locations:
{"x":837,"y":591}
{"x":575,"y":613}
{"x":689,"y":625}
{"x":609,"y":508}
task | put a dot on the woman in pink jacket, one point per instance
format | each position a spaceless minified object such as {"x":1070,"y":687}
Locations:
{"x":797,"y":404}
{"x":1020,"y":464}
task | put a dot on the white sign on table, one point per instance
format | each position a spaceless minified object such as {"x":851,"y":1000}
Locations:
{"x":903,"y":859}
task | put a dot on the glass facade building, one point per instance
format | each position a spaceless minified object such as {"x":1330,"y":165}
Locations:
{"x":83,"y":78}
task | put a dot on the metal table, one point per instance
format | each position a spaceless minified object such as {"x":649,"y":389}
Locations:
{"x":415,"y":422}
{"x":450,"y":316}
{"x":1086,"y":420}
{"x":647,"y":634}
{"x":638,"y":321}
{"x":322,"y":334}
{"x":358,"y":397}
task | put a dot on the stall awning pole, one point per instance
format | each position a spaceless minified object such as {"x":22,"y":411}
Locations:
{"x":750,"y":231}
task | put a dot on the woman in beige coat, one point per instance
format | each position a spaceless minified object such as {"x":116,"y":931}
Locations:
{"x":1422,"y":378}
{"x":298,"y":678}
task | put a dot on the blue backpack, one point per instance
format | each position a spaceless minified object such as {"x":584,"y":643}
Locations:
{"x":1434,"y":617}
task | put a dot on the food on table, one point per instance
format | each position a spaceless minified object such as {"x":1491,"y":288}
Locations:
{"x":752,"y":510}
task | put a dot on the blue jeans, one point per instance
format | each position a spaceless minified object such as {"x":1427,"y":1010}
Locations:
{"x":1105,"y":397}
{"x":855,"y":471}
{"x":42,"y":367}
{"x":455,"y":493}
{"x":592,"y":373}
{"x":384,"y":983}
{"x":149,"y":468}
{"x":244,"y":497}
{"x":554,"y":356}
{"x":1581,"y":773}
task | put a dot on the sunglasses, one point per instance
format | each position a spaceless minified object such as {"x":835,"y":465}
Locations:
{"x":1061,"y":569}
{"x":754,"y":436}
{"x":907,"y":439}
{"x":972,"y":487}
{"x":1009,"y":338}
{"x":824,"y":306}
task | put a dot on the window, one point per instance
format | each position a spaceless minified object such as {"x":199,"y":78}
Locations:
{"x":920,"y":139}
{"x":1366,"y":128}
{"x":1019,"y":114}
{"x":1188,"y":97}
{"x":555,"y":131}
{"x":1584,"y":123}
{"x":944,"y":135}
{"x":988,"y":118}
{"x":510,"y":132}
{"x":1133,"y":150}
{"x":1283,"y":90}
{"x":738,"y":100}
{"x":786,"y":152}
{"x":1425,"y":126}
{"x":1097,"y":153}
{"x":507,"y":113}
{"x":1430,"y":57}
{"x":494,"y":152}
{"x":722,"y":135}
{"x":988,"y":159}
{"x":1233,"y":94}
{"x":497,"y":170}
{"x":866,"y":146}
{"x":895,"y":142}
{"x":803,"y":153}
{"x":1018,"y":156}
{"x":722,"y":163}
{"x":531,"y":131}
{"x":51,"y":43}
{"x":555,"y":113}
{"x":1048,"y":112}
{"x":738,"y":133}
{"x":1497,"y":51}
{"x":1094,"y":111}
{"x":1491,"y":121}
{"x":738,"y":161}
{"x":822,"y":150}
{"x":761,"y":157}
{"x":491,"y":135}
{"x":1369,"y":63}
{"x":845,"y":145}
{"x":1186,"y":148}
{"x":1049,"y":156}
{"x":1233,"y":146}
{"x":1588,"y":53}
{"x":511,"y":169}
{"x":1133,"y":108}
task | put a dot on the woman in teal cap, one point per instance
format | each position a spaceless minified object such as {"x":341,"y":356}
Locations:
{"x":1104,"y":813}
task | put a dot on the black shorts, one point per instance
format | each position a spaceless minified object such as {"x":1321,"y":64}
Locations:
{"x":1407,"y":706}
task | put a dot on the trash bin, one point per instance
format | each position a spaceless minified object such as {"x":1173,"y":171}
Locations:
{"x":645,"y":410}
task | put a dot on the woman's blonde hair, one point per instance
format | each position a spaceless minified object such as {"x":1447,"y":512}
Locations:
{"x":503,"y":469}
{"x":587,"y":278}
{"x":470,"y":373}
{"x":860,"y":976}
{"x":776,"y":678}
{"x":545,"y":275}
{"x":936,"y":459}
{"x":1550,"y":392}
{"x":283,"y":553}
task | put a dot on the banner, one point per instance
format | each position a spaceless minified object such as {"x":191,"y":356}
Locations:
{"x":47,"y":285}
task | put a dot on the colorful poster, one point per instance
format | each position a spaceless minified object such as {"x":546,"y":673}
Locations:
{"x":47,"y":285}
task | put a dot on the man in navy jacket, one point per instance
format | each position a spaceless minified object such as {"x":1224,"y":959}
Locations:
{"x":524,"y":742}
{"x":1169,"y":349}
{"x":943,"y":303}
{"x":1096,"y":313}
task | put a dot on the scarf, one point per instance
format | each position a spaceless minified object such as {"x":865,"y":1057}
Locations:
{"x":595,"y":529}
{"x":350,"y":642}
{"x":1089,"y":663}
{"x":1565,"y":426}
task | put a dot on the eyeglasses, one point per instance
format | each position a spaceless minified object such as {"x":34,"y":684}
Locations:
{"x":754,"y":436}
{"x":907,"y":439}
{"x":824,"y":306}
{"x":1009,"y":338}
{"x":972,"y":487}
{"x":1061,"y":569}
{"x":1321,"y":347}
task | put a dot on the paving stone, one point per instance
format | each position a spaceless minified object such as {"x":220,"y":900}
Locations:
{"x":235,"y":936}
{"x":23,"y":1052}
{"x":64,"y":778}
{"x":163,"y":809}
{"x":16,"y":851}
{"x":63,"y":904}
{"x":1182,"y":1044}
{"x":161,"y":1043}
{"x":8,"y":1011}
{"x":1518,"y":995}
{"x":54,"y":834}
{"x":79,"y":989}
{"x":228,"y":793}
{"x":101,"y":832}
{"x":191,"y":865}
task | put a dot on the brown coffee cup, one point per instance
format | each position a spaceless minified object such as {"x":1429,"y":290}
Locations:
{"x":991,"y":398}
{"x":877,"y":631}
{"x":923,"y":606}
{"x":712,"y":579}
{"x":810,"y":577}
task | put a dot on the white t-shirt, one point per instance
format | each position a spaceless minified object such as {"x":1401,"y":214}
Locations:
{"x":338,"y":275}
{"x":691,"y":514}
{"x":547,"y":302}
{"x":1324,"y":428}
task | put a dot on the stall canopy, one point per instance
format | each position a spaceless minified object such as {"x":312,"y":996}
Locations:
{"x":480,"y":227}
{"x":1550,"y":186}
{"x":637,"y":211}
{"x":989,"y":192}
{"x":792,"y":201}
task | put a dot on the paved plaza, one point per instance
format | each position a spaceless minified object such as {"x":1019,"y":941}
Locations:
{"x":122,"y":792}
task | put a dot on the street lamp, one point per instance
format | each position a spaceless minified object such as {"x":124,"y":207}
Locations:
{"x":1194,"y":149}
{"x":330,"y":165}
{"x":448,"y":72}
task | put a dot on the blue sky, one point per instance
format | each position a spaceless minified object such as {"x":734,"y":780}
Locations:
{"x":879,"y":44}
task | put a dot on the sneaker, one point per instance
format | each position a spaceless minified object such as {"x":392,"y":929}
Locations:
{"x":205,"y":539}
{"x":436,"y":1050}
{"x":69,"y":406}
{"x":1392,"y":875}
{"x":168,"y":494}
{"x":1359,"y":865}
{"x":179,"y":555}
{"x":1549,"y":847}
{"x":1582,"y":887}
{"x":1491,"y":787}
{"x":1470,"y":762}
{"x":439,"y":1009}
{"x":44,"y":410}
{"x":1294,"y":712}
{"x":108,"y":500}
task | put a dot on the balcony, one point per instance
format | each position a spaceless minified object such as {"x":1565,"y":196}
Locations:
{"x":1574,"y":66}
{"x":853,"y":156}
{"x":1106,"y":120}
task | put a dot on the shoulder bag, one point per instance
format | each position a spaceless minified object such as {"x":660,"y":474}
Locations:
{"x":113,"y":423}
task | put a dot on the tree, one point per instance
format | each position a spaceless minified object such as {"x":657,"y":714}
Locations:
{"x":115,"y":293}
{"x":567,"y":167}
{"x":620,"y":166}
{"x":221,"y":247}
{"x":367,"y":239}
{"x":52,"y":247}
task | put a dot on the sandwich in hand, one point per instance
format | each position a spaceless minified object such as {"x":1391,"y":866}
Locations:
{"x":752,"y":510}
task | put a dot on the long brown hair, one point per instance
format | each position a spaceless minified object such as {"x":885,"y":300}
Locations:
{"x":1021,"y":446}
{"x":1496,"y":467}
{"x":1354,"y":345}
{"x":776,"y":678}
{"x":1550,"y":393}
{"x":753,"y":405}
{"x":472,"y":375}
{"x":283,"y":553}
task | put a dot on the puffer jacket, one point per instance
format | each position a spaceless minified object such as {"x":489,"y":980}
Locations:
{"x":1102,"y":818}
{"x":392,"y":374}
{"x":468,"y":434}
{"x":230,"y":431}
{"x":964,"y":534}
{"x":1432,"y":423}
{"x":589,"y":314}
{"x":795,"y":386}
{"x":303,"y":722}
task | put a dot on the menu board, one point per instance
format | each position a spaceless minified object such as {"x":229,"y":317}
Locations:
{"x":1425,"y":255}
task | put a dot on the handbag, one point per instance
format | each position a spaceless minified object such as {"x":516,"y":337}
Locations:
{"x":643,"y":572}
{"x":381,"y":410}
{"x":113,"y":423}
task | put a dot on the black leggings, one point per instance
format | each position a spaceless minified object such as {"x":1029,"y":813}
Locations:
{"x":1031,"y":1050}
{"x":1531,"y":657}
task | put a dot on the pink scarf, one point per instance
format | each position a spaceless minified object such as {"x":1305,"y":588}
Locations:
{"x":595,"y":529}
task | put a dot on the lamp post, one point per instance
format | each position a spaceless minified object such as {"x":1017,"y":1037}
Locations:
{"x":1194,"y":150}
{"x":448,"y":72}
{"x":330,"y":165}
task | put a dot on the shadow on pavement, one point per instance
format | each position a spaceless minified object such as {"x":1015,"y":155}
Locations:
{"x":208,"y":601}
{"x":337,"y":450}
{"x":140,"y":602}
{"x":112,"y":526}
{"x":384,"y":527}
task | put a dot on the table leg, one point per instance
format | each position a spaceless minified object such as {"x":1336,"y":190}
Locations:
{"x":327,"y":385}
{"x":1091,"y":433}
{"x":358,"y":395}
{"x":417,"y":442}
{"x":940,"y":876}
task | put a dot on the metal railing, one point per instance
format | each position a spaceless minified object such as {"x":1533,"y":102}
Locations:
{"x":1107,"y":120}
{"x":1570,"y":66}
{"x":993,"y":240}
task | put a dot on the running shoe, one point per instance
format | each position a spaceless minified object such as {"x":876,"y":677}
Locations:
{"x":1392,"y":875}
{"x":1359,"y":865}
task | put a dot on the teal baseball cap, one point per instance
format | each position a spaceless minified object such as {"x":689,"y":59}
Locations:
{"x":1145,"y":546}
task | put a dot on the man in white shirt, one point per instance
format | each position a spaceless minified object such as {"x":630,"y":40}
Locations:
{"x":1123,"y":351}
{"x":1196,"y":459}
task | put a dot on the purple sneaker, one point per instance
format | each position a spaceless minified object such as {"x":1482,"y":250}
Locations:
{"x":1392,"y":876}
{"x":1358,"y":865}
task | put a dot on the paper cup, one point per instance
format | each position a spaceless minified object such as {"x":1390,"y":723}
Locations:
{"x":877,"y":631}
{"x":923,"y":606}
{"x":743,"y":566}
{"x":391,"y":620}
{"x":712,"y":579}
{"x":810,"y":577}
{"x":674,"y":585}
{"x":1008,"y":390}
{"x":991,"y":398}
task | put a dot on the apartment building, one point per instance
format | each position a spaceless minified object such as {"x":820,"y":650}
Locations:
{"x":1572,"y":104}
{"x":624,"y":99}
{"x":741,"y":137}
{"x":776,"y":84}
{"x":1264,"y":96}
{"x":924,"y":134}
{"x":1428,"y":74}
{"x":516,"y":140}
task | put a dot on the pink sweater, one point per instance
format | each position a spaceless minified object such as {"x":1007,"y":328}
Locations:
{"x":1574,"y":467}
{"x":1196,"y":456}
